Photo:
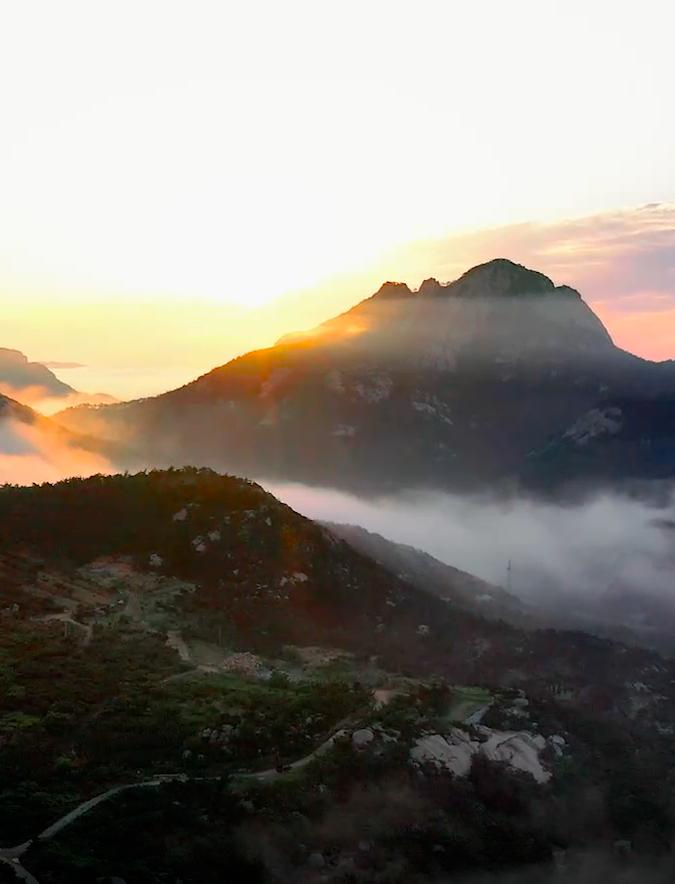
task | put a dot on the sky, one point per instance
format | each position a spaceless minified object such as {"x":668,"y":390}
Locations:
{"x":182,"y":182}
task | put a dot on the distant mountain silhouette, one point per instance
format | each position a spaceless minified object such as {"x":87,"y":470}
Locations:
{"x":18,"y":373}
{"x":24,"y":431}
{"x":33,"y":382}
{"x":496,"y":379}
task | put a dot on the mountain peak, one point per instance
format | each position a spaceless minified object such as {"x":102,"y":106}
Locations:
{"x":497,"y":278}
{"x":502,"y":278}
{"x":391,"y":290}
{"x":429,"y":287}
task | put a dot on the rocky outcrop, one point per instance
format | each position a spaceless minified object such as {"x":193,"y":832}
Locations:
{"x":362,"y":738}
{"x":455,"y":750}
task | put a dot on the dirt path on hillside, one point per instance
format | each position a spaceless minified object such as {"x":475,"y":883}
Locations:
{"x":11,"y":856}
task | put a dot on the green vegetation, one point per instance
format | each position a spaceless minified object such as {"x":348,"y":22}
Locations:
{"x":213,"y":565}
{"x":465,"y":701}
{"x":75,"y":720}
{"x":362,"y":811}
{"x":187,"y":830}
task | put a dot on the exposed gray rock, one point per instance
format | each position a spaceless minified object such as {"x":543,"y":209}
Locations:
{"x":454,"y":751}
{"x":362,"y":738}
{"x":316,"y":860}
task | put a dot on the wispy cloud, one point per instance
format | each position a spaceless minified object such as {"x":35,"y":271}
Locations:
{"x":47,"y":402}
{"x":53,"y":364}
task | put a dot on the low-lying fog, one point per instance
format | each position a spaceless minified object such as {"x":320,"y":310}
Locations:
{"x":611,"y":557}
{"x":28,"y":455}
{"x":608,"y":547}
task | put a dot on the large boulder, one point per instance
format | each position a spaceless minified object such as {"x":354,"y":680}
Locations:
{"x":454,"y":751}
{"x":362,"y":738}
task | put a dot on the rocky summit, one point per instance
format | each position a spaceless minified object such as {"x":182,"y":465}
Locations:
{"x":484,"y":382}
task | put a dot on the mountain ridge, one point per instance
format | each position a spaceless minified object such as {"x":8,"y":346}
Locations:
{"x":41,"y":435}
{"x":183,"y":638}
{"x":422,"y":570}
{"x":35,"y":384}
{"x":459,"y":390}
{"x":19,"y":373}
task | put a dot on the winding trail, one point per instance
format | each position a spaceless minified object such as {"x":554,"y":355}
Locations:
{"x":478,"y":714}
{"x":272,"y":773}
{"x":11,"y":856}
{"x":20,"y":871}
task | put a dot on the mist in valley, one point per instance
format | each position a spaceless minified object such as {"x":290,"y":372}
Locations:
{"x":610,"y":556}
{"x":29,"y":454}
{"x":588,"y":868}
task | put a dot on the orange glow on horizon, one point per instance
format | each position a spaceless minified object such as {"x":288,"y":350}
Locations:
{"x":648,"y":333}
{"x":134,"y":348}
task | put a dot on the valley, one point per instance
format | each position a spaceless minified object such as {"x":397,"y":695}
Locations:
{"x":157,"y":677}
{"x":337,"y":442}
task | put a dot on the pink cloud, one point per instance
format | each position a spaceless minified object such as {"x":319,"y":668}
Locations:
{"x":623,"y":263}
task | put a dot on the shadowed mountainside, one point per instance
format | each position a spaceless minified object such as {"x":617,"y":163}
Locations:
{"x":34,"y":383}
{"x":497,"y":379}
{"x":114,"y":589}
{"x":427,"y":573}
